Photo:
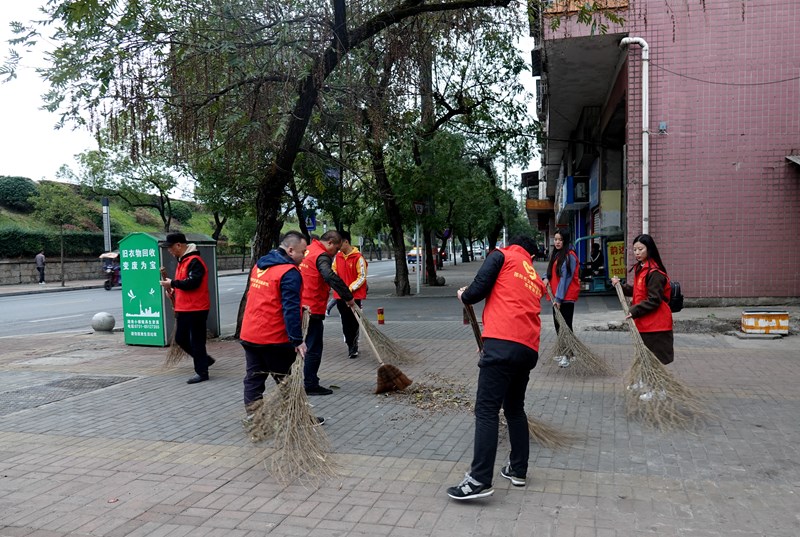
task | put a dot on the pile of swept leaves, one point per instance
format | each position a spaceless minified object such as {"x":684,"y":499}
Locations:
{"x":436,"y":393}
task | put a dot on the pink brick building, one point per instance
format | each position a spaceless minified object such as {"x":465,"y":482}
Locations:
{"x":724,"y":116}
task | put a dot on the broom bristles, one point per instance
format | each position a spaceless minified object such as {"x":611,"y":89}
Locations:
{"x":672,"y":405}
{"x":585,"y":362}
{"x":389,"y":350}
{"x":301,"y":449}
{"x":391,"y":379}
{"x":548,"y":436}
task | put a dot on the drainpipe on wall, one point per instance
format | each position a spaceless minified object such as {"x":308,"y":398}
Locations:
{"x":645,"y":126}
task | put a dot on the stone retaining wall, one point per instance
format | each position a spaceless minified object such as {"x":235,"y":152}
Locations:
{"x":17,"y":271}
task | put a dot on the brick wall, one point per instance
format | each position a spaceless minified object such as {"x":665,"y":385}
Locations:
{"x":724,"y":201}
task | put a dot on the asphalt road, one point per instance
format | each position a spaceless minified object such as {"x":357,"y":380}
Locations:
{"x":72,"y":311}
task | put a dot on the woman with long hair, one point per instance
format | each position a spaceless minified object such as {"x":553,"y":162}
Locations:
{"x":650,"y":310}
{"x":563,"y":274}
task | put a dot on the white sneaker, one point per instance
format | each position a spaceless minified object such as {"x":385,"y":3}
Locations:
{"x":558,"y":358}
{"x":564,"y":362}
{"x":646,"y":396}
{"x":638,"y":386}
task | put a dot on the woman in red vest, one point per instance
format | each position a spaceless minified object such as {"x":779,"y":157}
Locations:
{"x":562,"y":272}
{"x":650,"y":310}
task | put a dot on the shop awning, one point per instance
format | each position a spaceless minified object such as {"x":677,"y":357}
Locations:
{"x":794,"y":158}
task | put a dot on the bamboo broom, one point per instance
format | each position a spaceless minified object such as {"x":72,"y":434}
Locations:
{"x":390,"y":378}
{"x":584,"y":362}
{"x":301,"y":449}
{"x":383,"y":345}
{"x":670,"y":404}
{"x":543,"y":433}
{"x":175,"y":353}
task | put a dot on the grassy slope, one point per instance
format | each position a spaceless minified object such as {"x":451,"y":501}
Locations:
{"x":200,"y":222}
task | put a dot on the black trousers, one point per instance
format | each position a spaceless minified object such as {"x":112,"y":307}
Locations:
{"x":504,"y":372}
{"x":41,"y":274}
{"x":349,"y":322}
{"x":261,"y":361}
{"x":190,"y":334}
{"x":568,"y":311}
{"x":316,"y":328}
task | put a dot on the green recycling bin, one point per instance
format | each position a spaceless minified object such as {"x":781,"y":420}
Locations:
{"x":147,"y":316}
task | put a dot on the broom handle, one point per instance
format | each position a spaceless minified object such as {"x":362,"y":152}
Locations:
{"x":624,"y":303}
{"x":473,"y":321}
{"x":357,"y":312}
{"x":562,"y":323}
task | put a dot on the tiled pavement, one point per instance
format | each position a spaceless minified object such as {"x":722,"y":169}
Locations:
{"x":96,"y":438}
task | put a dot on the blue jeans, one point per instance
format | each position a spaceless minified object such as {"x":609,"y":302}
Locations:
{"x":313,"y":352}
{"x":504,"y":372}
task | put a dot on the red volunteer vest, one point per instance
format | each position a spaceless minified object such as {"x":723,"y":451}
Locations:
{"x":196,"y":299}
{"x":263,"y":322}
{"x":659,"y":320}
{"x":574,"y":288}
{"x":512,"y":308}
{"x":347,"y":269}
{"x":315,"y":290}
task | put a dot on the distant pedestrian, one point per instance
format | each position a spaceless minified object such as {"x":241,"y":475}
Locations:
{"x":650,"y":310}
{"x":511,"y":328}
{"x":192,"y":302}
{"x":271,"y":333}
{"x":351,"y":267}
{"x":40,"y":262}
{"x":318,"y":279}
{"x":563,"y":273}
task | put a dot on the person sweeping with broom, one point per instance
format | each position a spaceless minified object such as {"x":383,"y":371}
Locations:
{"x":191,"y":302}
{"x":511,"y":328}
{"x":650,"y":310}
{"x":562,"y":273}
{"x":271,"y":332}
{"x":318,"y":279}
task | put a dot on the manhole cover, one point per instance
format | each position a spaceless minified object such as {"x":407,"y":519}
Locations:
{"x":57,"y":390}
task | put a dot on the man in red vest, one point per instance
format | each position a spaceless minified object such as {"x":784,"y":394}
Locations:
{"x":190,"y":289}
{"x":271,"y":333}
{"x":318,"y":279}
{"x":351,"y":267}
{"x":511,"y":328}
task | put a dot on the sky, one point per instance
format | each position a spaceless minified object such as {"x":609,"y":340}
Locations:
{"x":30,"y":145}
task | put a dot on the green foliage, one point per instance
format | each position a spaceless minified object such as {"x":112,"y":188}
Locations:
{"x":16,"y":242}
{"x":15,"y":193}
{"x":57,"y":204}
{"x":181,"y":211}
{"x":241,"y":230}
{"x":145,"y":216}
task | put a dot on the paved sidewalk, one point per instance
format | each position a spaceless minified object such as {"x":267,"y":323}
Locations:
{"x":97,"y":439}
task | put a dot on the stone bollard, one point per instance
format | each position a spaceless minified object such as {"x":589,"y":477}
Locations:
{"x":103,"y":322}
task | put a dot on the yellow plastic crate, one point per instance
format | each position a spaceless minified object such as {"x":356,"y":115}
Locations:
{"x":765,"y":322}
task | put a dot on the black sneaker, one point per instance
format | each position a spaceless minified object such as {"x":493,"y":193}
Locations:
{"x":353,"y":351}
{"x":469,"y":489}
{"x":318,"y":390}
{"x":508,"y":473}
{"x":320,"y":420}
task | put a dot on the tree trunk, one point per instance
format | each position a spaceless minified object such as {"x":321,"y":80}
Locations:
{"x":401,"y":285}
